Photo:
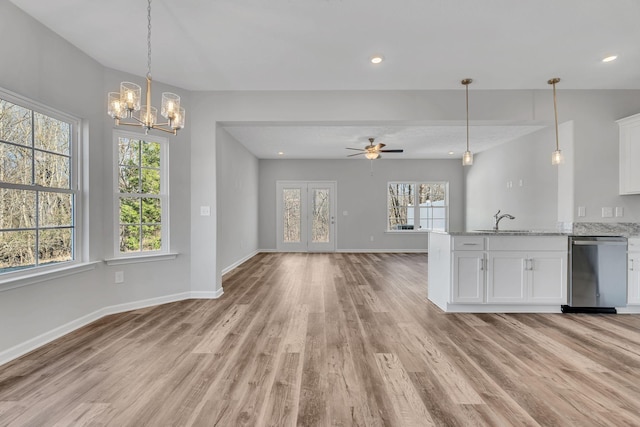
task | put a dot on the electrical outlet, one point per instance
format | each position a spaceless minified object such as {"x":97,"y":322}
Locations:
{"x":372,"y":238}
{"x":607,"y":212}
{"x":119,"y":276}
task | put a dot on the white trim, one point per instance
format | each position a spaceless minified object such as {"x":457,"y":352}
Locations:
{"x":45,"y":338}
{"x":239,"y":262}
{"x":140,"y":258}
{"x":43,"y":276}
{"x":266,"y":251}
{"x":629,"y":309}
{"x":382,"y":251}
{"x":505,"y":308}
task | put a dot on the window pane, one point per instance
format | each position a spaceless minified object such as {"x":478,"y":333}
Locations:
{"x":151,"y":154}
{"x":129,"y":210}
{"x":17,"y":250}
{"x":150,"y":181}
{"x":129,"y":179}
{"x":55,"y":209}
{"x":292,"y":225}
{"x":52,"y":170}
{"x":151,"y":237}
{"x":151,"y":210}
{"x":400,"y":202}
{"x":17,"y":208}
{"x":439,"y":219}
{"x":54,"y":246}
{"x":321,"y":217}
{"x":15,"y":166}
{"x":15,"y":123}
{"x":432,"y":192}
{"x":51,"y":134}
{"x":128,"y":152}
{"x":129,"y":238}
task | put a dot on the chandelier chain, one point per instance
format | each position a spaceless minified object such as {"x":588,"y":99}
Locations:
{"x":149,"y":39}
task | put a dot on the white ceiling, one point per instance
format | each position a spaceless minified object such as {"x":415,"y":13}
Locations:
{"x":326,"y":45}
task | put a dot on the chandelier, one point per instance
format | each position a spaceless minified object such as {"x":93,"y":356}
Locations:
{"x":125,"y":106}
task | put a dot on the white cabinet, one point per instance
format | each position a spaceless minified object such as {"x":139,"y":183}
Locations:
{"x":468,"y":277}
{"x":527,"y":277}
{"x":633,"y":277}
{"x":517,"y":270}
{"x":629,"y":154}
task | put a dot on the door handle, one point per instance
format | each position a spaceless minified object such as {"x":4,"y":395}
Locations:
{"x":631,"y":264}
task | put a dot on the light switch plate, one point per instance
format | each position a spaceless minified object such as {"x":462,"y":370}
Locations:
{"x":582,"y":211}
{"x":619,"y":211}
{"x":205,"y":210}
{"x":607,"y":212}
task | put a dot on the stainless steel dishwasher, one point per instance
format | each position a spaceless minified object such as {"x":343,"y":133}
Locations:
{"x":597,"y":274}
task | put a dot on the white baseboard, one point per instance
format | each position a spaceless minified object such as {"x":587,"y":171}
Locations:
{"x":267,"y":250}
{"x":239,"y":262}
{"x":42,"y":339}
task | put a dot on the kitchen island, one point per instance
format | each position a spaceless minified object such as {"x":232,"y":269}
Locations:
{"x":506,"y":271}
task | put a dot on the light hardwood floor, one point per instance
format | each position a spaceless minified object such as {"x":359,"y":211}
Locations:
{"x":329,"y":339}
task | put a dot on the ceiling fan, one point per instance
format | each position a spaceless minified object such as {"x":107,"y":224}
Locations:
{"x":371,"y":151}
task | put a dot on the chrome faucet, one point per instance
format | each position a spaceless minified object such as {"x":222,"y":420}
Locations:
{"x":498,"y":218}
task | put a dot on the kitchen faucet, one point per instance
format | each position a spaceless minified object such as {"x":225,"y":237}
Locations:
{"x":498,"y":218}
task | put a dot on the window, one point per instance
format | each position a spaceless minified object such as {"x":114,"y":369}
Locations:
{"x":415,"y":206}
{"x":38,"y":186}
{"x":141,"y":197}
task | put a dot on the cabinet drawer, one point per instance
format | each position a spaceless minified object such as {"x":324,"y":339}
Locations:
{"x":468,"y":243}
{"x":527,"y":243}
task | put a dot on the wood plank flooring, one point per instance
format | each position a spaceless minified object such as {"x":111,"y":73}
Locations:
{"x":329,"y":340}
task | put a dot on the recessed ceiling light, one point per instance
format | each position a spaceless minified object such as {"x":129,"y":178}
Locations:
{"x":610,"y":58}
{"x":280,"y":153}
{"x":451,"y":153}
{"x":376,"y":59}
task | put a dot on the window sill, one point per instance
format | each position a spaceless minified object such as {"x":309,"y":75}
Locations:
{"x":140,"y":258}
{"x":406,"y":231}
{"x":43,"y":276}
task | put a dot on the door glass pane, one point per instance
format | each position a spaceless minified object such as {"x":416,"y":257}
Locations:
{"x":320,"y":224}
{"x":291,"y":199}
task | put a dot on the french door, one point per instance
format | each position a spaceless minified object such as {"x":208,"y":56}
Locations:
{"x":306,"y":213}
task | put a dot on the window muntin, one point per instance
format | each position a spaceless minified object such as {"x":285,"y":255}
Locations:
{"x":141,"y":196}
{"x":413,"y":206}
{"x":38,"y":190}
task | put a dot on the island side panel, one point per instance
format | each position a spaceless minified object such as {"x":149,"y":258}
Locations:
{"x":439,"y":269}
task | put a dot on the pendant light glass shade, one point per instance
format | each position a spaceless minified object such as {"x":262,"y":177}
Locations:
{"x":556,"y":157}
{"x":371,"y":155}
{"x":467,"y":157}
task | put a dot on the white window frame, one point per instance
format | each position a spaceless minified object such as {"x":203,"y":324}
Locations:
{"x":79,"y":256}
{"x":164,"y":197}
{"x":416,"y":207}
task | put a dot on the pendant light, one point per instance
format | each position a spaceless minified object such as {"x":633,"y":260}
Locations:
{"x":556,"y":157}
{"x":467,"y":157}
{"x":125,"y":106}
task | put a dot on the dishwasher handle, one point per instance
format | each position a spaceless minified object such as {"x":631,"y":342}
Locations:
{"x":598,"y":243}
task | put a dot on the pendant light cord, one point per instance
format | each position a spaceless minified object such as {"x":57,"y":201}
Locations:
{"x":467,"y":95}
{"x":149,"y":39}
{"x":555,"y":109}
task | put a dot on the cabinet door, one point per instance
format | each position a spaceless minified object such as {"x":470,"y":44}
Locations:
{"x":468,"y":277}
{"x":547,"y":273}
{"x":634,"y":279}
{"x":629,"y":155}
{"x":506,"y":280}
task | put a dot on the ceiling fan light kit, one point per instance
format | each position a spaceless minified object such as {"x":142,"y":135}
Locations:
{"x":372,"y":152}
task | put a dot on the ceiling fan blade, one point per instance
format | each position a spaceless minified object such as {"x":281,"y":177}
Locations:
{"x":357,"y":154}
{"x":357,"y":149}
{"x":392,"y":151}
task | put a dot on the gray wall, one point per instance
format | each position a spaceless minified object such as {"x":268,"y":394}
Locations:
{"x":362,"y":195}
{"x":237,"y":179}
{"x":42,"y":66}
{"x":533,"y":195}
